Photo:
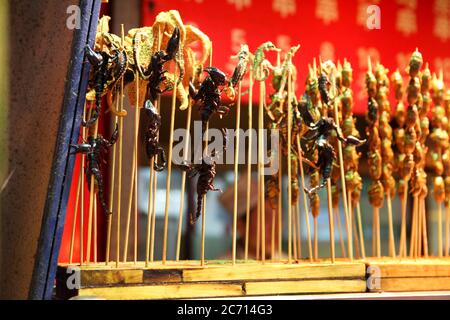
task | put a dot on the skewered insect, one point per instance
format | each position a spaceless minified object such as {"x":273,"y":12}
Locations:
{"x":155,"y":72}
{"x":94,"y":148}
{"x":152,"y":146}
{"x":319,"y":132}
{"x":209,"y":94}
{"x":206,"y":172}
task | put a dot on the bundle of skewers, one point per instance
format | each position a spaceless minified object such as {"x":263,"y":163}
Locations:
{"x":318,"y":145}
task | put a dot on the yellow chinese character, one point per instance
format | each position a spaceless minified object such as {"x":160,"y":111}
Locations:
{"x":406,"y":21}
{"x":327,"y":10}
{"x":284,"y":7}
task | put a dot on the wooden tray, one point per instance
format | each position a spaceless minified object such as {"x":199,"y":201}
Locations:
{"x":188,"y":279}
{"x":408,"y":275}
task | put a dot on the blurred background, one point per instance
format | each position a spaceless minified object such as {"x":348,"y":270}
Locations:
{"x":35,"y":53}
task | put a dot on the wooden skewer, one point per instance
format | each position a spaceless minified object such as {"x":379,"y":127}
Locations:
{"x":130,"y":204}
{"x":91,"y":206}
{"x":391,"y":226}
{"x":447,"y":229}
{"x":236,"y":167}
{"x":119,"y":169}
{"x":424,"y":229}
{"x":95,"y":229}
{"x":262,"y":181}
{"x":355,"y":231}
{"x":298,"y":231}
{"x":305,"y":201}
{"x":183,"y":184}
{"x":272,"y":243}
{"x":419,"y":229}
{"x":75,"y":213}
{"x":249,"y":163}
{"x":280,"y":205}
{"x":153,"y":226}
{"x":341,"y":234}
{"x":169,"y":170}
{"x":440,"y":248}
{"x":377,"y":226}
{"x":111,"y":194}
{"x":202,"y":245}
{"x":83,"y":135}
{"x":149,"y":212}
{"x":294,"y":232}
{"x":330,"y":221}
{"x":412,"y":242}
{"x":344,"y":188}
{"x":133,"y":188}
{"x":361,"y":234}
{"x":316,"y":244}
{"x":402,"y":248}
{"x":80,"y":189}
{"x":289,"y":169}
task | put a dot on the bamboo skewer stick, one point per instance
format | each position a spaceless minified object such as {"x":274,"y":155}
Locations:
{"x":289,"y":169}
{"x":130,"y":204}
{"x":294,"y":233}
{"x":135,"y":253}
{"x":316,"y":243}
{"x":183,"y":185}
{"x":440,"y":247}
{"x":149,"y":212}
{"x":330,"y":221}
{"x":298,"y":231}
{"x":280,"y":206}
{"x":377,"y":230}
{"x":261,"y":164}
{"x":272,"y":240}
{"x":153,"y":226}
{"x":419,"y":229}
{"x":249,"y":163}
{"x":353,"y":224}
{"x":75,"y":213}
{"x":341,"y":234}
{"x":202,"y":245}
{"x":361,"y":234}
{"x":95,"y":229}
{"x":447,"y":229}
{"x":305,"y":201}
{"x":424,"y":229}
{"x":91,"y":206}
{"x":413,"y":237}
{"x":83,"y":135}
{"x":402,"y":249}
{"x":391,"y":227}
{"x":169,"y":171}
{"x":133,"y":183}
{"x":111,"y":195}
{"x":236,"y":167}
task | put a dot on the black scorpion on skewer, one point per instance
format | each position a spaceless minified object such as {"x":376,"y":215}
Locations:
{"x":155,"y":76}
{"x":155,"y":73}
{"x":152,"y":146}
{"x":104,"y":75}
{"x":206,"y":172}
{"x":209,"y":94}
{"x":319,"y":132}
{"x":93,"y":148}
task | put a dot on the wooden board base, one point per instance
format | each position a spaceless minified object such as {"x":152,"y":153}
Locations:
{"x":408,"y":275}
{"x":188,"y":279}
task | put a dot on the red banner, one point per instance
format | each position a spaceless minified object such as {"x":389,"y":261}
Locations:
{"x":334,"y":29}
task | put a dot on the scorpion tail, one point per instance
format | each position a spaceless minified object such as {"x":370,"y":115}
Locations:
{"x":95,"y":113}
{"x":198,"y":211}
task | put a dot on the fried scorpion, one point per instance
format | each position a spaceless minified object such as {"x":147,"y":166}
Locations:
{"x":93,"y":148}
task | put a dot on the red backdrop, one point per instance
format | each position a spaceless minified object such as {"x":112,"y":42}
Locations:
{"x":334,"y":29}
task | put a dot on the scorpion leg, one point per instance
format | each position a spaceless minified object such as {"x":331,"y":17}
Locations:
{"x":173,"y":45}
